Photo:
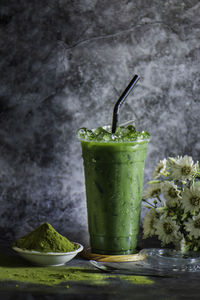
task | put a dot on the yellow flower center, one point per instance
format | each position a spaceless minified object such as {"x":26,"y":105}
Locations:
{"x":186,"y":170}
{"x":159,"y":168}
{"x":172,"y":192}
{"x":168,"y":228}
{"x":156,"y":192}
{"x":195,"y":201}
{"x":197,"y":223}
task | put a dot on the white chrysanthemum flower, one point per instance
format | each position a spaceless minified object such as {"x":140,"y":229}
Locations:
{"x":191,"y":198}
{"x":182,"y":167}
{"x":193,"y":226}
{"x":160,"y":169}
{"x":171,"y":193}
{"x":152,"y":191}
{"x":167,"y":230}
{"x":149,"y":221}
{"x":174,"y":159}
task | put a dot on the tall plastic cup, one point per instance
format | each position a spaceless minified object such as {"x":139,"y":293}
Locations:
{"x":114,"y":174}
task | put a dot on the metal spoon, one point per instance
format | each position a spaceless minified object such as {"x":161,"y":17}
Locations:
{"x":130,"y":268}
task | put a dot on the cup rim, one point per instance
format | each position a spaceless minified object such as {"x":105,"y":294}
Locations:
{"x":139,"y":140}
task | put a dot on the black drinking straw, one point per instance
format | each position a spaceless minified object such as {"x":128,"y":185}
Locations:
{"x":121,"y":100}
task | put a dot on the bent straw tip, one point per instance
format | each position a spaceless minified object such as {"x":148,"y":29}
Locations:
{"x":122,"y":99}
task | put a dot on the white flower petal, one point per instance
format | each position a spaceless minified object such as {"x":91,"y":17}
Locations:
{"x":148,"y":223}
{"x":152,"y":191}
{"x":182,"y":168}
{"x":171,"y":193}
{"x":167,"y":230}
{"x":191,"y":199}
{"x":160,"y":168}
{"x":193,"y":226}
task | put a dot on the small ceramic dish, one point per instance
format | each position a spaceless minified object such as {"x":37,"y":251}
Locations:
{"x":48,"y":258}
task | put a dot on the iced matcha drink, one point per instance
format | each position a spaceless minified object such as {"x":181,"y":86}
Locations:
{"x":114,"y":170}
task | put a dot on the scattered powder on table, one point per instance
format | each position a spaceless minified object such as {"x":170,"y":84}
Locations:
{"x":16,"y":270}
{"x":45,"y":239}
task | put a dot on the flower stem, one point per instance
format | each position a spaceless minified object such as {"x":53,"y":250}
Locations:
{"x":150,"y":204}
{"x":158,"y":197}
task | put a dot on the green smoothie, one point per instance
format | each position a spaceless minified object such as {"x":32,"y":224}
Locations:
{"x":114,"y":170}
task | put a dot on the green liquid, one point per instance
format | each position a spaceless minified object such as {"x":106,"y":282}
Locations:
{"x":114,"y":174}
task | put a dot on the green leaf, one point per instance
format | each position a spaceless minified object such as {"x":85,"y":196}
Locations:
{"x":154,"y":181}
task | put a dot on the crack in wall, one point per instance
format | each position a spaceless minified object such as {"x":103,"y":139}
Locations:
{"x":119,"y":33}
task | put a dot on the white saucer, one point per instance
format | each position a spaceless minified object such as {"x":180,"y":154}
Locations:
{"x":48,"y":258}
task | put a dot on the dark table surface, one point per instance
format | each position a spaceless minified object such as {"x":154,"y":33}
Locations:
{"x":181,"y":286}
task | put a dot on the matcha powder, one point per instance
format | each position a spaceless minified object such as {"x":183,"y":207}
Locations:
{"x":16,"y":270}
{"x":45,"y":239}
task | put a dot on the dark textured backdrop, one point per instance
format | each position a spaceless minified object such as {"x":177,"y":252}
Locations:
{"x":63,"y":65}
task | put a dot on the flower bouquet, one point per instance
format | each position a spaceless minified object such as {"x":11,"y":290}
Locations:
{"x":173,"y":202}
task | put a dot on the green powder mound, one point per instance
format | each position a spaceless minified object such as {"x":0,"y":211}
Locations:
{"x":104,"y":134}
{"x":45,"y":239}
{"x":15,"y":269}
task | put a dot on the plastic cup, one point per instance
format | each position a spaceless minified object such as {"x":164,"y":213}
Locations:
{"x":114,"y":173}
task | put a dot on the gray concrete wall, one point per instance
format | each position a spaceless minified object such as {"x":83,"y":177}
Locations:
{"x":63,"y":64}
